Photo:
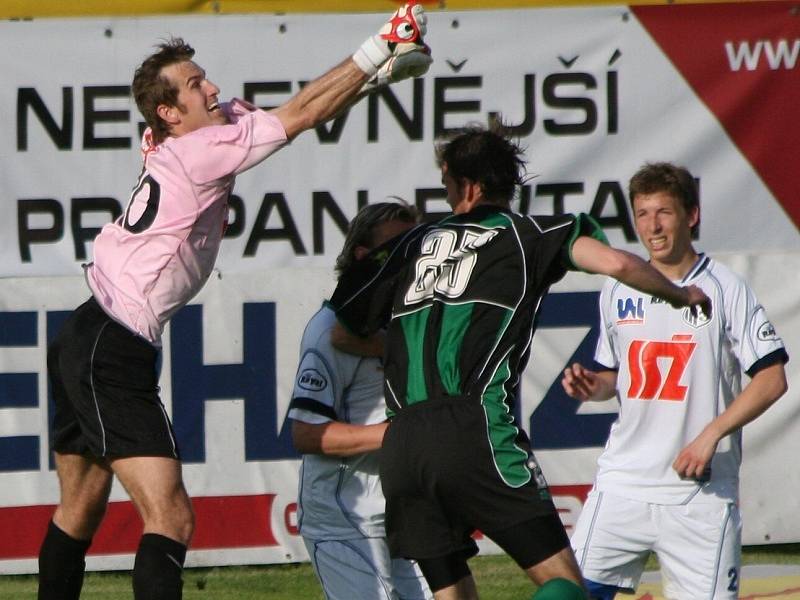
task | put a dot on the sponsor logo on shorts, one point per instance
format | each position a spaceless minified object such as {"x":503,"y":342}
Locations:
{"x":767,"y":332}
{"x":538,"y":477}
{"x":312,"y":380}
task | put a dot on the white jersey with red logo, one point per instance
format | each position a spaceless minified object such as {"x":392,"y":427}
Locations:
{"x":676,"y":373}
{"x":158,"y":254}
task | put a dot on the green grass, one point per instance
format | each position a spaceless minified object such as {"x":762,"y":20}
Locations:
{"x":497,"y":577}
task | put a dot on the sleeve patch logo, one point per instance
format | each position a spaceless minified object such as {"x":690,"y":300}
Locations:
{"x":767,"y":332}
{"x":312,"y":380}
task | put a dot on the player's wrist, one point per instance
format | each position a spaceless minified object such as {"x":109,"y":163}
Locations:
{"x":717,"y":429}
{"x":687,"y":296}
{"x":680,"y":297}
{"x":372,"y":54}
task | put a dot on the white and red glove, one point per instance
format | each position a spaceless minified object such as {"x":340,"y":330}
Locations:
{"x":409,"y":60}
{"x":400,"y":37}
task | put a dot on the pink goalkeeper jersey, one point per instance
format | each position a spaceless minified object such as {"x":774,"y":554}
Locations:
{"x":158,"y":254}
{"x":676,"y":373}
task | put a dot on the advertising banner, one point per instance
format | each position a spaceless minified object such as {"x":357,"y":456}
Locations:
{"x":593,"y":93}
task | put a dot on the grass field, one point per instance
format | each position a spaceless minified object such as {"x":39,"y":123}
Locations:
{"x":498,"y":578}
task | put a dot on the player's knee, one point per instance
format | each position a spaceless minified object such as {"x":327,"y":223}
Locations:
{"x":185,"y":528}
{"x":94,"y":516}
{"x":175,"y":521}
{"x":560,"y":589}
{"x":81,"y":520}
{"x":600,"y":591}
{"x":444,"y":571}
{"x":182,"y":523}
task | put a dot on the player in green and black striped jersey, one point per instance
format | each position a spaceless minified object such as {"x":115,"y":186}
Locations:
{"x":460,"y":299}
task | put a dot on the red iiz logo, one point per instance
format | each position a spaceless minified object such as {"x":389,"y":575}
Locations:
{"x":647,"y":380}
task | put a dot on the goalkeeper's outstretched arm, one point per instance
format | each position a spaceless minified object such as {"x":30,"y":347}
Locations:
{"x":396,"y":52}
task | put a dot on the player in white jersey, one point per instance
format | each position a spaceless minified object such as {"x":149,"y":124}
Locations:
{"x":339,"y":417}
{"x":150,"y":262}
{"x":668,"y":479}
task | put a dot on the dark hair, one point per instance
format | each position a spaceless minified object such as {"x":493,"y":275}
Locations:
{"x":676,"y":181}
{"x":486,"y":156}
{"x":150,"y":88}
{"x":361,"y":231}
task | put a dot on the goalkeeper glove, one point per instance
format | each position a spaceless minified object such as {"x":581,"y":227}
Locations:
{"x":409,"y":60}
{"x":407,"y":26}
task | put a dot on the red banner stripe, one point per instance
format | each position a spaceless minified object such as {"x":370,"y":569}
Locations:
{"x":221,"y":522}
{"x":755,"y":100}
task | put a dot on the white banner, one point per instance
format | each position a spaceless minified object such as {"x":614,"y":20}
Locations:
{"x":593,"y":97}
{"x":593,"y":94}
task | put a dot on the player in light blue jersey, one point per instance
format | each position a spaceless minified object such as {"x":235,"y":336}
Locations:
{"x":339,"y":418}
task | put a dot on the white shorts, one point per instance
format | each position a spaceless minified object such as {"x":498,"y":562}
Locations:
{"x":698,"y":545}
{"x":362,"y":569}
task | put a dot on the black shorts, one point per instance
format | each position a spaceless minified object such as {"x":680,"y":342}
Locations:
{"x":443,"y":480}
{"x":104,"y":382}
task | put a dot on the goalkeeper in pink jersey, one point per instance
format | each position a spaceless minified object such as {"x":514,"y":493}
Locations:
{"x":668,"y":478}
{"x":150,"y":262}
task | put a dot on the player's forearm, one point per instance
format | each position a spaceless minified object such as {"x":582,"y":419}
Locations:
{"x":595,"y":257}
{"x":322,"y":99}
{"x":628,"y":268}
{"x":328,"y":95}
{"x":337,"y":439}
{"x":760,"y":393}
{"x":638,"y":274}
{"x":343,"y":439}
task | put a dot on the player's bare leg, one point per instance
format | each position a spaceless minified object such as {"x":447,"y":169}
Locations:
{"x":156,"y":488}
{"x":463,"y":589}
{"x":559,"y":571}
{"x":84,"y":484}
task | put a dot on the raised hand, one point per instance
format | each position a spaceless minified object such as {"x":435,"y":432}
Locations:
{"x":401,"y":34}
